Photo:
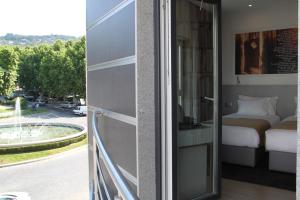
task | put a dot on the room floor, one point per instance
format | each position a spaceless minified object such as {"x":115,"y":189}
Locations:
{"x":235,"y":190}
{"x":260,"y":175}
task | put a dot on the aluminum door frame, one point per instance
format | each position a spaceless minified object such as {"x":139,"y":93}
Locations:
{"x":169,"y":107}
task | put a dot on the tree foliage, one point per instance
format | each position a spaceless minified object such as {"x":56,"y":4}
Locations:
{"x":76,"y":52}
{"x":30,"y":64}
{"x":57,"y":70}
{"x":8,"y":70}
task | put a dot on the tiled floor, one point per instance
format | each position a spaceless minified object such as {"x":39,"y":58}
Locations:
{"x":235,"y":190}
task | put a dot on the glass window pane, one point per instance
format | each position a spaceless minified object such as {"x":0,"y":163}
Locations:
{"x":196,"y":144}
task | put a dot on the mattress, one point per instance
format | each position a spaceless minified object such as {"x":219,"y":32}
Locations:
{"x":282,"y":140}
{"x":243,"y":136}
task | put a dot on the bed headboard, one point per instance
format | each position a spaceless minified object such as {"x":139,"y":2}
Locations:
{"x":286,"y":105}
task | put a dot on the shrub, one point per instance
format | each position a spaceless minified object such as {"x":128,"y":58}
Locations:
{"x":23,"y":103}
{"x":41,"y":147}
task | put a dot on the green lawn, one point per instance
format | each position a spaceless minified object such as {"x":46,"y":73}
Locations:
{"x":19,"y":157}
{"x":6,"y":113}
{"x":4,"y":109}
{"x":29,"y":111}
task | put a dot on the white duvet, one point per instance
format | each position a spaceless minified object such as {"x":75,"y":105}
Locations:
{"x":243,"y":136}
{"x":282,"y":140}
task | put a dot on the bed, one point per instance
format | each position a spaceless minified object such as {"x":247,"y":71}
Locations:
{"x":243,"y":145}
{"x":281,"y":143}
{"x":243,"y":133}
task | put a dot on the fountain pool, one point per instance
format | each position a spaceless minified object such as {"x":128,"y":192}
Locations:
{"x":32,"y":132}
{"x":24,"y":137}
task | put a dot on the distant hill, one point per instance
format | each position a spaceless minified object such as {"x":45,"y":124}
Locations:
{"x":13,"y":39}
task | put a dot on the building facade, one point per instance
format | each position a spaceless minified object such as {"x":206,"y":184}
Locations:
{"x":139,"y":99}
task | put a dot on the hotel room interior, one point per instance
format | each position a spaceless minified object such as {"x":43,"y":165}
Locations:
{"x":259,"y":91}
{"x":259,"y":60}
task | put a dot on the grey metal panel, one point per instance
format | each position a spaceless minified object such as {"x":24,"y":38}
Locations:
{"x":112,"y":39}
{"x":192,"y":171}
{"x":109,"y":183}
{"x":133,"y":186}
{"x":120,"y":141}
{"x":90,"y":151}
{"x":286,"y":104}
{"x":112,"y":190}
{"x":282,"y":161}
{"x":113,"y":89}
{"x":98,"y":8}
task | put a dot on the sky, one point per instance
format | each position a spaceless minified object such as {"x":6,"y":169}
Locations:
{"x":42,"y":17}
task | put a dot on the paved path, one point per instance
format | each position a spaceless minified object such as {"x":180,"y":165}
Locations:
{"x":51,"y":116}
{"x":64,"y":177}
{"x":60,"y":178}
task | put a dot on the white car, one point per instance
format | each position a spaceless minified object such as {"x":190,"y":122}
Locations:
{"x":80,"y":110}
{"x":67,"y":105}
{"x":14,"y":196}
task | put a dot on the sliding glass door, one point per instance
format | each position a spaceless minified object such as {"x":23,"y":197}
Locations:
{"x":195,"y":99}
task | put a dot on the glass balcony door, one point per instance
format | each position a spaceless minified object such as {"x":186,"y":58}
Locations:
{"x":195,"y":99}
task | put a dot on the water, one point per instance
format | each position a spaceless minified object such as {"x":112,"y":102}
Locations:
{"x":18,"y":130}
{"x":30,"y":132}
{"x":34,"y":132}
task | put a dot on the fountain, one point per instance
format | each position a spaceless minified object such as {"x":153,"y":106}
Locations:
{"x":18,"y":130}
{"x":22,"y":136}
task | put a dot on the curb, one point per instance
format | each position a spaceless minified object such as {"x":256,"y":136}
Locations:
{"x":42,"y":158}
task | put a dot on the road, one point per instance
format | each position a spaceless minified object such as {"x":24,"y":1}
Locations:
{"x":63,"y":177}
{"x":51,"y":116}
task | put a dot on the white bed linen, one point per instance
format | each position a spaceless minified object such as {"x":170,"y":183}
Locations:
{"x":282,"y":140}
{"x":244,"y":136}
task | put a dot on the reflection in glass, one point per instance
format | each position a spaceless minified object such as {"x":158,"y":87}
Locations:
{"x":195,"y":92}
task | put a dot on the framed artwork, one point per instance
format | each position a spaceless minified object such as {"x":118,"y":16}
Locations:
{"x":267,"y":52}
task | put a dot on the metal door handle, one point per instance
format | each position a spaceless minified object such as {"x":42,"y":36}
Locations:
{"x":209,"y":98}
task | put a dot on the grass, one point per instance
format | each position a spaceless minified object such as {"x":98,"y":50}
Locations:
{"x":20,"y":157}
{"x":4,"y":109}
{"x":28,"y":111}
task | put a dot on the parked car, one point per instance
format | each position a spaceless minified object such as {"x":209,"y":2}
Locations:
{"x":67,"y":105}
{"x":2,"y":99}
{"x":15,"y":196}
{"x":82,"y":101}
{"x":29,"y":97}
{"x":80,"y":110}
{"x":40,"y":101}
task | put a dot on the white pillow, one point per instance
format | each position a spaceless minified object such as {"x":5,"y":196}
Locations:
{"x":271,"y":103}
{"x":256,"y":107}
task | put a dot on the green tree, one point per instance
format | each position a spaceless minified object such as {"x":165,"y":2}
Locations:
{"x":76,"y":51}
{"x":8,"y":70}
{"x":58,"y":70}
{"x":30,"y":64}
{"x":56,"y":73}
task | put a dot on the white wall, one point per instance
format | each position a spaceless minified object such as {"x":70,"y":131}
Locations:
{"x":279,"y":15}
